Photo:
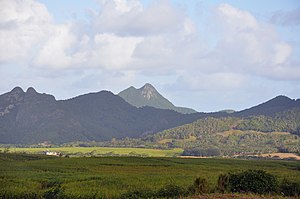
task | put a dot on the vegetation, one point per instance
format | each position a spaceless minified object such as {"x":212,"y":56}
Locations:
{"x":287,"y":121}
{"x":231,"y":135}
{"x":99,"y":151}
{"x":31,"y":117}
{"x":225,"y":136}
{"x":38,"y":176}
{"x":255,"y":181}
{"x":288,"y":188}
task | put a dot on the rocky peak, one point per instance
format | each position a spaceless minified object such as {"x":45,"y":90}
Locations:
{"x":31,"y":90}
{"x":15,"y":95}
{"x":17,"y":90}
{"x":10,"y":100}
{"x":148,"y":86}
{"x":148,"y":91}
{"x":32,"y":95}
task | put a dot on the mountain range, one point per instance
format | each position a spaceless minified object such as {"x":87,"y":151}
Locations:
{"x":32,"y":117}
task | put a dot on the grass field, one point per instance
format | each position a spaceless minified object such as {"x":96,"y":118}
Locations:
{"x":30,"y":176}
{"x":99,"y":151}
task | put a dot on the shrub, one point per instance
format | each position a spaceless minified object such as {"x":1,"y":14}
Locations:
{"x":19,"y":194}
{"x":200,"y":186}
{"x":255,"y":181}
{"x":288,"y":188}
{"x":223,"y":183}
{"x":53,"y":193}
{"x":201,"y":152}
{"x":45,"y":184}
{"x":171,"y":191}
{"x":138,"y":194}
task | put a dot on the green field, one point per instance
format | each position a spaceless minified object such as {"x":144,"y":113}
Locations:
{"x":101,"y":151}
{"x":31,"y":176}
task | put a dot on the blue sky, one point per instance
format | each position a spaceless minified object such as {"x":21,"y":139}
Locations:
{"x":207,"y":55}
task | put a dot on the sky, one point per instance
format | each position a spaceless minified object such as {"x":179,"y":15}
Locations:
{"x":206,"y":55}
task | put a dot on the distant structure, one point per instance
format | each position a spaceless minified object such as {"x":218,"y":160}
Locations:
{"x":53,"y":153}
{"x":44,"y":144}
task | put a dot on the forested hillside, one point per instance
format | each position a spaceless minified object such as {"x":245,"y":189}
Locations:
{"x":233,"y":135}
{"x":287,"y":121}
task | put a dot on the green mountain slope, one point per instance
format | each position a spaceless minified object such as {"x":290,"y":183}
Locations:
{"x":277,"y":104}
{"x":236,"y":135}
{"x":149,"y":96}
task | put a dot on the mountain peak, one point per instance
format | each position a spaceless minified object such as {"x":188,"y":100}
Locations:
{"x":279,"y":100}
{"x":148,"y":91}
{"x":31,"y":90}
{"x":17,"y":90}
{"x":132,"y":87}
{"x":281,"y":97}
{"x":147,"y":95}
{"x":16,"y":95}
{"x":148,"y":86}
{"x":270,"y":107}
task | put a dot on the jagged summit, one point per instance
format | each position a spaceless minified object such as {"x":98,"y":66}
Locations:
{"x":147,"y":95}
{"x":147,"y":86}
{"x":148,"y":91}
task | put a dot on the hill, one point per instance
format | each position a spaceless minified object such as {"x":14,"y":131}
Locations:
{"x":32,"y":117}
{"x":149,"y":96}
{"x":270,"y":107}
{"x":234,"y":135}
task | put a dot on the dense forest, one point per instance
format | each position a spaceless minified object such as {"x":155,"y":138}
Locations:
{"x":233,"y":135}
{"x":287,"y":121}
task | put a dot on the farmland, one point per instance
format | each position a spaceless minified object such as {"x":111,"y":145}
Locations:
{"x":100,"y":151}
{"x":26,"y":175}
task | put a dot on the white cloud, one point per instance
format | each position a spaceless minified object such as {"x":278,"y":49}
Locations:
{"x":159,"y":18}
{"x":236,"y":19}
{"x":282,"y":52}
{"x":214,"y":82}
{"x":112,"y":51}
{"x":22,"y":28}
{"x":247,"y":45}
{"x":115,"y":15}
{"x":54,"y":51}
{"x":129,"y":17}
